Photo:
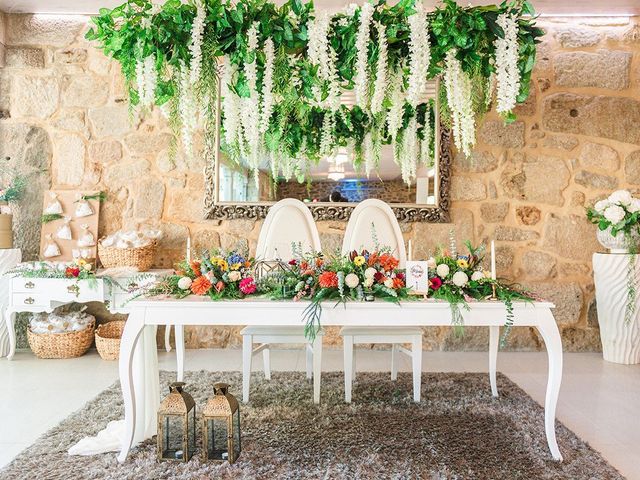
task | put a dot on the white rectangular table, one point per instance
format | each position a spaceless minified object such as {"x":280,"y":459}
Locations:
{"x":139,"y":375}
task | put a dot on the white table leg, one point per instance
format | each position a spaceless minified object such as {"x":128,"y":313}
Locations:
{"x":309,"y":360}
{"x":130,"y":336}
{"x":10,"y":319}
{"x":551,"y":336}
{"x":348,"y":366}
{"x":179,"y":335}
{"x":494,"y":337}
{"x":167,"y":338}
{"x":266,"y":363}
{"x":394,"y":362}
{"x":416,"y":358}
{"x":317,"y":367}
{"x":247,"y":354}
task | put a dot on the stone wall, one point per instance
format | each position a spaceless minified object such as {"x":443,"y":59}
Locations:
{"x":63,"y":107}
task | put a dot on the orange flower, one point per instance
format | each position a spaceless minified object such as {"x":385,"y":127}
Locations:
{"x":180,"y":273}
{"x":398,"y":283}
{"x":200,"y":285}
{"x":319,"y":262}
{"x":328,"y":280}
{"x":195,"y":266}
{"x":372,"y":259}
{"x":307,"y":272}
{"x":220,"y":286}
{"x":388,"y":262}
{"x":247,"y":264}
{"x":304,"y":266}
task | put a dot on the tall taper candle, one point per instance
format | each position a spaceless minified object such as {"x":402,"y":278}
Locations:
{"x":189,"y":248}
{"x":410,"y":251}
{"x":493,"y":260}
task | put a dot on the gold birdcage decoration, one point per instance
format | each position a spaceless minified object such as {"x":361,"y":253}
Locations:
{"x":177,"y":425}
{"x":221,"y":426}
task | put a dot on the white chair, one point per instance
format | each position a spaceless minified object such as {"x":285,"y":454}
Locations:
{"x":376,"y":215}
{"x":288,"y":222}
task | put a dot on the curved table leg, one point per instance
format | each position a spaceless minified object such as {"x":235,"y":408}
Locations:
{"x":551,"y":336}
{"x":179,"y":332}
{"x":494,"y":336}
{"x":10,"y":319}
{"x":130,"y":336}
{"x":167,"y":338}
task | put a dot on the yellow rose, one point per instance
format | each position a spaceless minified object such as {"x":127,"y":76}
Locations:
{"x":224,"y":266}
{"x":359,"y":261}
{"x":462,"y":263}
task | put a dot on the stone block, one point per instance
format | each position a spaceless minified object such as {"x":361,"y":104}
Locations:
{"x":478,"y":162}
{"x":494,"y":212}
{"x":632,"y":168}
{"x":24,"y":57}
{"x":616,"y":118}
{"x":604,"y":69}
{"x":538,"y":265}
{"x":34,"y":96}
{"x":568,"y":299}
{"x":577,"y":37}
{"x":599,"y":157}
{"x":496,"y":132}
{"x":69,"y":160}
{"x":86,"y":91}
{"x":515,"y":234}
{"x":467,"y":189}
{"x":560,"y":142}
{"x":570,"y":236}
{"x":595,"y":180}
{"x":148,"y":195}
{"x":535,"y":179}
{"x":105,"y":151}
{"x":34,"y":29}
{"x":528,"y":215}
{"x":110,"y":120}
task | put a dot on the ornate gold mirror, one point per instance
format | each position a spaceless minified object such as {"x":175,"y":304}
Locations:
{"x":332,"y":187}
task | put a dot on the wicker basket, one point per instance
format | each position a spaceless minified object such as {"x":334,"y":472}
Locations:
{"x":108,"y":337}
{"x":61,"y":345}
{"x":141,"y":258}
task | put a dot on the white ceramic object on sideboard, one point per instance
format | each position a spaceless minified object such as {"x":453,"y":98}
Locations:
{"x":620,"y":339}
{"x":9,"y":258}
{"x":618,"y":244}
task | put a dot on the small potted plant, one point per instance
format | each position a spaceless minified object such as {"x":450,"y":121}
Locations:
{"x":10,"y":191}
{"x":618,"y":220}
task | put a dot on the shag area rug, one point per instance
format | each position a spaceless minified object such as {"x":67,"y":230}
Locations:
{"x":458,"y":431}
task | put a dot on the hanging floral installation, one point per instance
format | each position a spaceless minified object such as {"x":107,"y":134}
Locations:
{"x":283,"y":71}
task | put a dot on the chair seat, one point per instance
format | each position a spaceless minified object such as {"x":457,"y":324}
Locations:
{"x":279,"y":331}
{"x":389,"y":331}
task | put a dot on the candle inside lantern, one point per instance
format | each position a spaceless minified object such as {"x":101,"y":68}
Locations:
{"x":189,"y":248}
{"x":179,"y":454}
{"x":493,"y":260}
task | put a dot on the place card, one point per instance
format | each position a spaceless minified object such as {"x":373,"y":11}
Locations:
{"x":417,"y":276}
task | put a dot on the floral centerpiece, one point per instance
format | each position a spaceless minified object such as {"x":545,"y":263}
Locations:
{"x":618,"y":220}
{"x":359,"y":276}
{"x":460,"y":278}
{"x":217,"y":274}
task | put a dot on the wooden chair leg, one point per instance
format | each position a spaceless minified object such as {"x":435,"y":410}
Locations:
{"x":247,"y":350}
{"x":266,"y":362}
{"x":348,"y":367}
{"x":416,"y":357}
{"x":394,"y":361}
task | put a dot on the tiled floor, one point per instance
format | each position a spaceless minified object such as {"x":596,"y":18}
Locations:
{"x":599,"y":401}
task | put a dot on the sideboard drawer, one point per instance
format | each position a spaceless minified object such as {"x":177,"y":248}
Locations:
{"x":21,"y":284}
{"x":28,"y":300}
{"x":60,"y":289}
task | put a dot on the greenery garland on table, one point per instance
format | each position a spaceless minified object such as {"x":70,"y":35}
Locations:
{"x":287,"y":67}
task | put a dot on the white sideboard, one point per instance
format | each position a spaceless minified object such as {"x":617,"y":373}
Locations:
{"x":9,"y":258}
{"x":46,"y":294}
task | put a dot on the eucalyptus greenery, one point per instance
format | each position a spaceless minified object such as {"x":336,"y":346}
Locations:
{"x":264,"y":46}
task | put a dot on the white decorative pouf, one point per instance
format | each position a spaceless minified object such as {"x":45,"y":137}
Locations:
{"x":9,"y":258}
{"x":620,"y":339}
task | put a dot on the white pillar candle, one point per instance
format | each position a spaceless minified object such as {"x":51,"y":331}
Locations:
{"x":493,"y":260}
{"x":189,"y":248}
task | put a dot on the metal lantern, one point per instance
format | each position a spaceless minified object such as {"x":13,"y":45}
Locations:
{"x":267,"y":268}
{"x":221,"y":426}
{"x":177,"y":425}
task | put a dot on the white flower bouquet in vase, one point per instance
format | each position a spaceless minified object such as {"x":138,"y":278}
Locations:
{"x":618,"y":220}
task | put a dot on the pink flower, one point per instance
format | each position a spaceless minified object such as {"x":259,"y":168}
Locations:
{"x":247,"y":286}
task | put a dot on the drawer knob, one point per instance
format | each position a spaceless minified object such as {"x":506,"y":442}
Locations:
{"x":29,"y":285}
{"x":29,"y":301}
{"x":73,"y":289}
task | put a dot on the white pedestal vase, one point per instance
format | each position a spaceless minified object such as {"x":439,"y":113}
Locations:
{"x":620,"y":339}
{"x":9,"y":258}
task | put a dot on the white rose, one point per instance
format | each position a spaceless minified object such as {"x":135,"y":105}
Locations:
{"x":614,"y":214}
{"x":477,"y":275}
{"x":368,"y":282}
{"x":601,"y":205}
{"x":460,"y":279}
{"x":431,"y":263}
{"x":352,"y":280}
{"x":88,"y":267}
{"x":184,"y":283}
{"x":442,"y":270}
{"x":370,"y":272}
{"x":635,"y":206}
{"x":388,"y":283}
{"x":623,"y":197}
{"x":234,"y":276}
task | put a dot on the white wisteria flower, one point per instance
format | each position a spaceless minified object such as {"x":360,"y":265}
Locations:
{"x":321,"y":54}
{"x":187,"y":107}
{"x":267,"y":86}
{"x":351,"y":280}
{"x":442,"y":270}
{"x":250,"y":107}
{"x":425,"y":143}
{"x":458,"y":86}
{"x":407,"y":157}
{"x":380,"y":84}
{"x":362,"y":53}
{"x":419,"y":56}
{"x":621,"y":197}
{"x":507,"y":72}
{"x":195,"y":47}
{"x":230,"y":106}
{"x":460,"y":279}
{"x":614,"y":214}
{"x":396,"y":110}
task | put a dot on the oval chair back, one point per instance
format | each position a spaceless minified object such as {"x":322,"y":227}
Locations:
{"x":370,"y":216}
{"x":288,"y":222}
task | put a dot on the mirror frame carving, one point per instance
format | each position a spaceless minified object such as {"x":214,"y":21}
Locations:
{"x":404,"y":212}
